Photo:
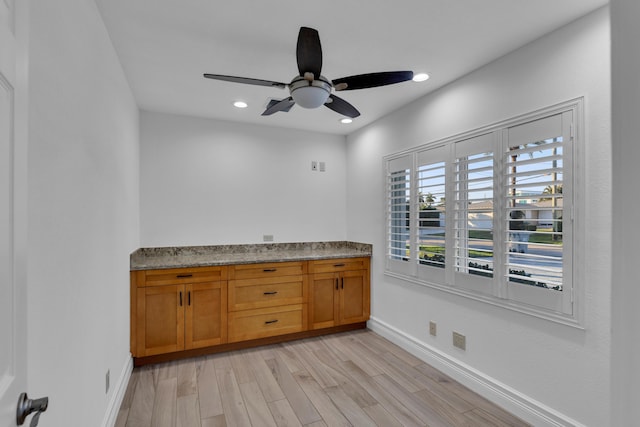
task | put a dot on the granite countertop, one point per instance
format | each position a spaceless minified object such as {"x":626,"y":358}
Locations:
{"x":200,"y":256}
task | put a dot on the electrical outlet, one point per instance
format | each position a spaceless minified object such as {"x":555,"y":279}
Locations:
{"x":432,"y":328}
{"x":322,"y":166}
{"x":459,"y":341}
{"x":267,"y":237}
{"x":106,"y":382}
{"x":314,"y":165}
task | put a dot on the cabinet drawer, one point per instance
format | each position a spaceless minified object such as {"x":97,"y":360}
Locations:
{"x":338,"y":264}
{"x":267,"y":292}
{"x":255,"y":271}
{"x":174,"y":276}
{"x":267,"y":322}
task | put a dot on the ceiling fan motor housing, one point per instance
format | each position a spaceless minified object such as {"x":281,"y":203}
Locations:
{"x":310,"y":93}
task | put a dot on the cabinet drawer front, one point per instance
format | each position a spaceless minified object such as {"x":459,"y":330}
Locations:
{"x":268,"y":292}
{"x":255,"y":271}
{"x":184,"y":275}
{"x":267,"y":322}
{"x":337,"y":265}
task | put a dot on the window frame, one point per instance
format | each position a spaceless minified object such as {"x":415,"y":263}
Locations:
{"x":498,"y":290}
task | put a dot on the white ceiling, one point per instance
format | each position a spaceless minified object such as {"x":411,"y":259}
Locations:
{"x":166,"y":45}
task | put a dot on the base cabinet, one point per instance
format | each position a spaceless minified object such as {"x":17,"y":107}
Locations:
{"x":171,"y":315}
{"x":181,"y":309}
{"x":340,"y":292}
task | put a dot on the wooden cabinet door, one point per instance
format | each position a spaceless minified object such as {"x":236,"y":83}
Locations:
{"x":354,"y":297}
{"x":323,"y":311}
{"x":205,"y":315}
{"x":160,"y":319}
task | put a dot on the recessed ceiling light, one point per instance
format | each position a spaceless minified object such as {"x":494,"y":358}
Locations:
{"x":346,"y":120}
{"x":240,"y":104}
{"x":420,"y":77}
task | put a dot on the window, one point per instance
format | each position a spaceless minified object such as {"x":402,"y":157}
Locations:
{"x":489,"y":214}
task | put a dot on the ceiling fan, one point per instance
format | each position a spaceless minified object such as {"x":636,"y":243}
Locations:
{"x":309,"y":89}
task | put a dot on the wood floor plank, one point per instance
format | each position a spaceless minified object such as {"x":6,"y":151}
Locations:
{"x":352,"y":388}
{"x":163,"y":371}
{"x":349,"y":408}
{"x":284,"y":353}
{"x":480,"y":418}
{"x":142,"y":401}
{"x":398,"y":368}
{"x":374,"y":341}
{"x":381,"y":417}
{"x":256,"y":405}
{"x":344,"y":350}
{"x":320,"y":372}
{"x":327,"y":410}
{"x":188,"y":411}
{"x":300,"y":403}
{"x":430,"y":412}
{"x":164,"y":404}
{"x":264,"y":377}
{"x":242,"y":367}
{"x":233,"y":404}
{"x":283,"y":414}
{"x":208,"y":390}
{"x":217,"y":421}
{"x":392,"y":404}
{"x":186,"y":374}
{"x":127,"y":399}
{"x":121,"y":419}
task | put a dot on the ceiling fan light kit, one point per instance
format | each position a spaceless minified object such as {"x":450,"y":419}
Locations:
{"x":310,"y":94}
{"x":309,"y":89}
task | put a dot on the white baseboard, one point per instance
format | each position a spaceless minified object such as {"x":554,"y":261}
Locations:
{"x":502,"y":395}
{"x":120,"y":387}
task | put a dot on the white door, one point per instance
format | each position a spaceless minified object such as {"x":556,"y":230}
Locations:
{"x":13,"y":139}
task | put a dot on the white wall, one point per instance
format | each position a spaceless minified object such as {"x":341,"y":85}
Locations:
{"x":83,"y":212}
{"x":209,"y":182}
{"x":625,"y":354}
{"x":560,"y":371}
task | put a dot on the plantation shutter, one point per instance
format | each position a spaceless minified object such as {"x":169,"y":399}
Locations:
{"x":398,"y":214}
{"x":430,"y":212}
{"x":473,"y":213}
{"x":536,"y":202}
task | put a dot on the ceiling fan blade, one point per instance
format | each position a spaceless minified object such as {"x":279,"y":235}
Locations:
{"x":275,"y":106}
{"x":309,"y":52}
{"x":341,"y":106}
{"x":245,"y":80}
{"x":363,"y":81}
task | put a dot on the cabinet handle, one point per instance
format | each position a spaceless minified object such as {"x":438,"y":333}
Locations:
{"x":338,"y":265}
{"x":342,"y":282}
{"x":271,"y":293}
{"x":180,"y":298}
{"x":268,"y":322}
{"x":189,"y":298}
{"x":270,"y":270}
{"x":336,"y":283}
{"x":180,"y":276}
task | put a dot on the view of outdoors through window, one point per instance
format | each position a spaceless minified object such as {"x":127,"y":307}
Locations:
{"x":431,"y":214}
{"x":474,"y":214}
{"x":535,"y":213}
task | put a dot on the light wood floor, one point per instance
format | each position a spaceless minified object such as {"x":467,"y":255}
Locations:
{"x":348,"y":379}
